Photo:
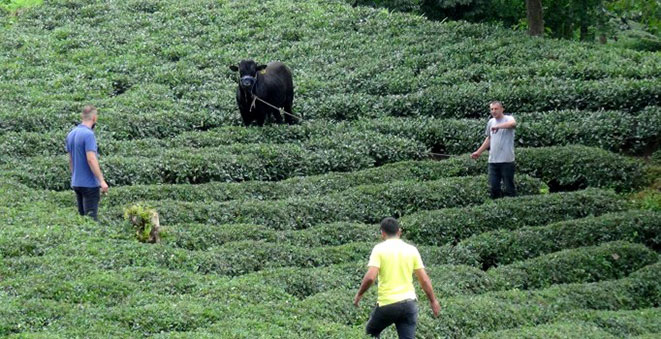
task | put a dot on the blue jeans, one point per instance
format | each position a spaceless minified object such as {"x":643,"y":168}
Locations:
{"x":88,"y":200}
{"x":404,"y":314}
{"x":501,"y":171}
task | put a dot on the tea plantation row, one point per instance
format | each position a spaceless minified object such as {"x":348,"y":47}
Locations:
{"x":616,"y":131}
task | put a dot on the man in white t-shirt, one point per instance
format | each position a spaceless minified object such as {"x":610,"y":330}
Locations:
{"x":500,"y":141}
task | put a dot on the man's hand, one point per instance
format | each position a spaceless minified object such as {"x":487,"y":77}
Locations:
{"x":356,"y":300}
{"x":104,"y":187}
{"x":435,"y":307}
{"x":476,"y":155}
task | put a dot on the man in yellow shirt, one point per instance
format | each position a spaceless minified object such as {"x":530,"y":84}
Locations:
{"x":394,"y":262}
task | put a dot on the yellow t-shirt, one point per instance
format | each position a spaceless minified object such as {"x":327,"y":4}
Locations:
{"x":396,"y":261}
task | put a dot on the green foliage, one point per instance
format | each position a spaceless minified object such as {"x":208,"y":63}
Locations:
{"x":620,"y":323}
{"x":267,"y":242}
{"x":231,"y":163}
{"x":567,"y":19}
{"x":575,"y":167}
{"x":608,"y":261}
{"x":13,"y":5}
{"x":141,"y":219}
{"x":562,"y":329}
{"x":505,"y":246}
{"x":435,"y":227}
{"x":562,"y":168}
{"x":168,"y":77}
{"x":647,"y":12}
{"x":365,"y":203}
{"x":470,"y":315}
{"x":648,"y":199}
{"x":395,"y":5}
{"x":386,"y":138}
{"x":454,"y":225}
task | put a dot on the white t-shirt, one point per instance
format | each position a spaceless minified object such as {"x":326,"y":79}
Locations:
{"x":501,"y":142}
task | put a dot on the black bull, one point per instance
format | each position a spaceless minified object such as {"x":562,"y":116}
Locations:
{"x":271,"y":83}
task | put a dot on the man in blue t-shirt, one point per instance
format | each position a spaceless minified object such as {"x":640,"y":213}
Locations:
{"x":86,"y":177}
{"x":500,"y":141}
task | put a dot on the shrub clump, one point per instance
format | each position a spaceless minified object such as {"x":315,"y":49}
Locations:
{"x":145,"y":221}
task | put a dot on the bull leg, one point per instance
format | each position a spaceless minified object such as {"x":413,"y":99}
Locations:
{"x":260,"y":119}
{"x":246,"y":118}
{"x":288,"y":118}
{"x":276,"y":115}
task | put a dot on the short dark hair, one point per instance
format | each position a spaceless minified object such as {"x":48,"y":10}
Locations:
{"x":390,"y":226}
{"x":88,"y":112}
{"x":496,"y":102}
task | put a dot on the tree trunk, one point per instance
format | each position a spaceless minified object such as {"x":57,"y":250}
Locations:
{"x":584,"y":32}
{"x":535,"y":18}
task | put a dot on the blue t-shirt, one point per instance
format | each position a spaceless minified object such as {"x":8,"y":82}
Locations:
{"x":80,"y":141}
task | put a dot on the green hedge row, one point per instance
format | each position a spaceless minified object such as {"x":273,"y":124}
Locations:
{"x":185,"y":76}
{"x":424,"y":227}
{"x":203,"y":236}
{"x":465,"y":316}
{"x":362,"y":203}
{"x":270,"y":190}
{"x":562,"y":167}
{"x":380,"y":146}
{"x":231,"y":259}
{"x":611,"y":130}
{"x":251,"y":162}
{"x":91,"y":285}
{"x":640,"y":323}
{"x":367,"y":203}
{"x":441,"y":101}
{"x":575,"y":167}
{"x":467,"y":100}
{"x":620,"y":323}
{"x":448,"y":280}
{"x":561,"y":329}
{"x":611,"y":260}
{"x":507,"y":246}
{"x":166,"y":123}
{"x":567,"y":174}
{"x":162,"y":316}
{"x":452,"y":225}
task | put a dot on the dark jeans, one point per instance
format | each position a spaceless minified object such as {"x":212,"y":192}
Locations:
{"x":404,"y":314}
{"x":501,"y":171}
{"x":88,"y":200}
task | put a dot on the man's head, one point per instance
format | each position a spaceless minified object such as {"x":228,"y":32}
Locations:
{"x":497,"y":109}
{"x":89,"y":115}
{"x":390,"y":228}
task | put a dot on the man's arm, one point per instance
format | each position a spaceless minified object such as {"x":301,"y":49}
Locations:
{"x":368,"y":280}
{"x":96,"y":169}
{"x":511,"y":123}
{"x":425,"y":283}
{"x":70,"y":163}
{"x":485,"y":145}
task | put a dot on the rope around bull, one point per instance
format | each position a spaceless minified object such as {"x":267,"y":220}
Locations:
{"x":280,"y":109}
